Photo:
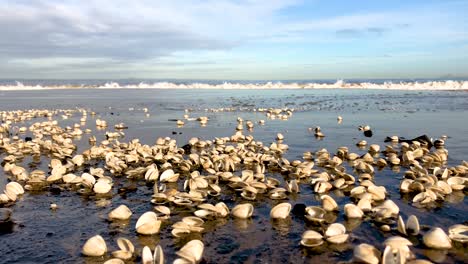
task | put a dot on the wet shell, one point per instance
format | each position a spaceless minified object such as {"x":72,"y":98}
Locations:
{"x":168,"y":176}
{"x":192,"y":251}
{"x":456,"y":233}
{"x":95,"y":247}
{"x":311,"y":238}
{"x":352,"y":211}
{"x":280,"y":211}
{"x":242,"y":211}
{"x":328,"y":203}
{"x":102,"y":187}
{"x":148,"y":224}
{"x":436,"y":238}
{"x":412,"y":225}
{"x":122,"y":212}
{"x":336,"y":233}
{"x":366,"y":253}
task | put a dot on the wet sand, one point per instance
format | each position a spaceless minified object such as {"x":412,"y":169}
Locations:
{"x":41,"y":235}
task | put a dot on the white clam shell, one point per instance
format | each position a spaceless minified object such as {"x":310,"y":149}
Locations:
{"x":102,"y":187}
{"x":352,"y":211}
{"x":456,"y":233}
{"x":192,"y":251}
{"x":280,"y":211}
{"x":168,"y":176}
{"x":328,"y":203}
{"x":436,"y":238}
{"x":122,"y":212}
{"x":311,"y":238}
{"x":366,"y":253}
{"x":148,"y":224}
{"x":242,"y":211}
{"x":95,"y":247}
{"x":15,"y":188}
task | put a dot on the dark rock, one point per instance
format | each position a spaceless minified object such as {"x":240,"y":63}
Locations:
{"x":27,"y":139}
{"x":54,"y":189}
{"x":299,"y":209}
{"x":368,"y":133}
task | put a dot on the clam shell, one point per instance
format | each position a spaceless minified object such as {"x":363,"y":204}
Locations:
{"x":366,"y":253}
{"x":242,"y":211}
{"x":335,"y":229}
{"x":352,"y":211}
{"x":125,"y":245}
{"x":280,"y":211}
{"x":456,"y":233}
{"x":328,"y":203}
{"x":95,"y":247}
{"x":15,"y":188}
{"x":436,"y":238}
{"x":146,"y":256}
{"x":168,"y":176}
{"x":114,"y":261}
{"x":158,"y":256}
{"x":122,"y":212}
{"x":311,"y":238}
{"x":412,"y":225}
{"x":192,"y":251}
{"x":102,"y":187}
{"x":391,"y":256}
{"x":148,"y":224}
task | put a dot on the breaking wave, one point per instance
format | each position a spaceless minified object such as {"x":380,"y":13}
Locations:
{"x":340,"y":84}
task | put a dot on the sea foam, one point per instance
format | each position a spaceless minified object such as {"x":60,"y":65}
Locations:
{"x":340,"y":84}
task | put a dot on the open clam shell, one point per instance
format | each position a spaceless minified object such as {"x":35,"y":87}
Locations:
{"x":95,"y":247}
{"x":280,"y":211}
{"x":311,"y":238}
{"x":148,"y":224}
{"x":242,"y":211}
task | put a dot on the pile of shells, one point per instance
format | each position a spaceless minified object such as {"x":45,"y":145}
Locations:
{"x":191,"y":177}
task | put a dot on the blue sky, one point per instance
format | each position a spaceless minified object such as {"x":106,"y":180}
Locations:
{"x":233,"y":39}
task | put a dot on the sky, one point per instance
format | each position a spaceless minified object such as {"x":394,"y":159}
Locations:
{"x":233,"y":39}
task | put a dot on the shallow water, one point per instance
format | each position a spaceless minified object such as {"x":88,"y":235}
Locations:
{"x":44,"y":236}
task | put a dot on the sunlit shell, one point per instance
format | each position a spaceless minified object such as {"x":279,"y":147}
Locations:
{"x":352,"y":211}
{"x":15,"y":188}
{"x":249,"y":193}
{"x":152,"y":174}
{"x":168,"y":176}
{"x":366,"y":253}
{"x":88,"y":179}
{"x":95,"y":247}
{"x":222,"y":209}
{"x":457,"y":183}
{"x":280,"y":211}
{"x":148,"y":224}
{"x":163,"y":210}
{"x":126,"y":249}
{"x":147,"y":256}
{"x":315,"y":214}
{"x":378,"y":192}
{"x":192,"y":251}
{"x":328,"y":203}
{"x":392,"y":255}
{"x":122,"y":212}
{"x":102,"y":187}
{"x":336,"y":233}
{"x":456,"y":233}
{"x":242,"y":211}
{"x":436,"y":238}
{"x":311,"y":238}
{"x":398,"y":243}
{"x":412,"y":225}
